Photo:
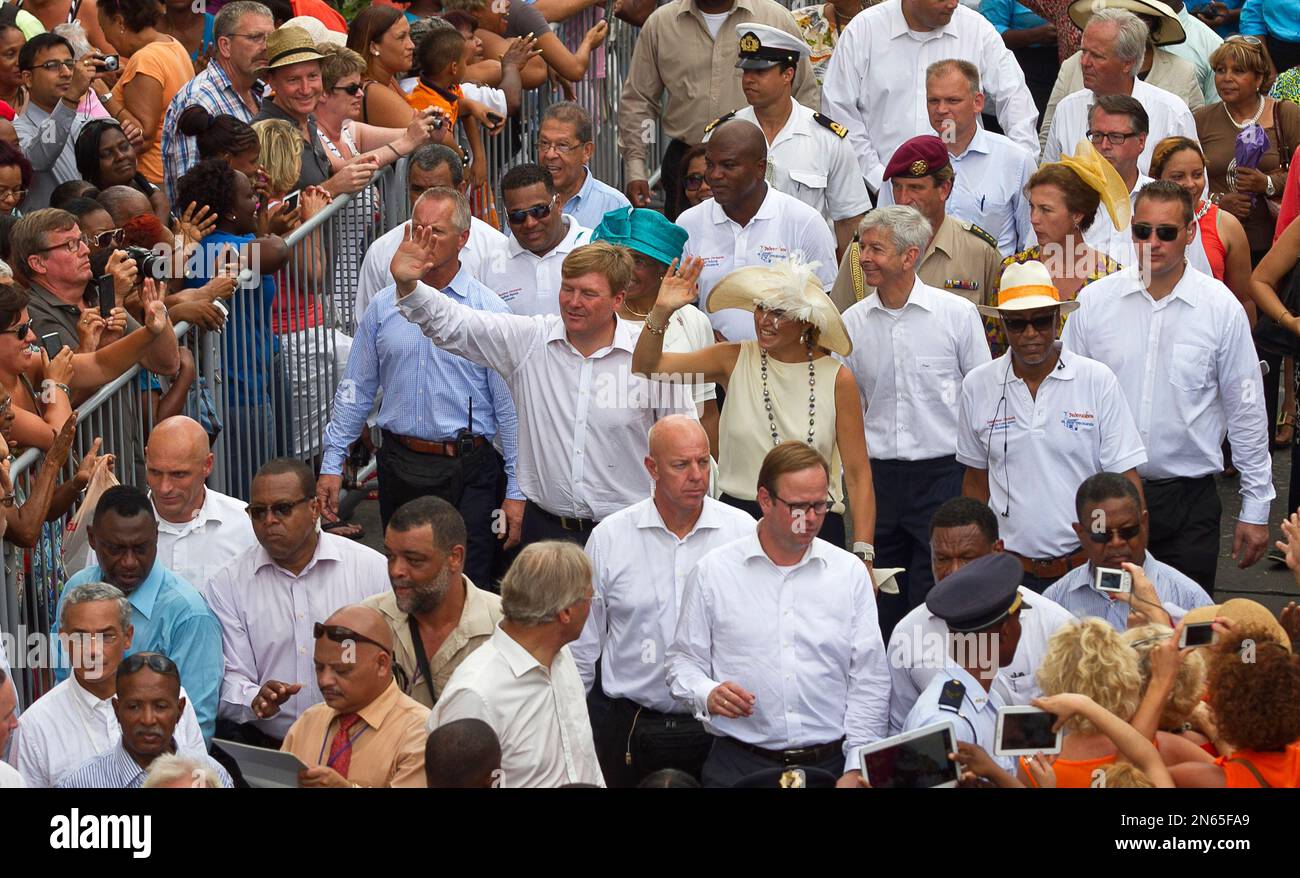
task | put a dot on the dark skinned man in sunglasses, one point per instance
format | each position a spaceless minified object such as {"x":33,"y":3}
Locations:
{"x":1112,"y":529}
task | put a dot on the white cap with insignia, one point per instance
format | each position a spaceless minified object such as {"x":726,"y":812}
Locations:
{"x":762,"y":46}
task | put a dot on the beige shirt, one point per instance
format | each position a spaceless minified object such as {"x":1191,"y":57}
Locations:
{"x":1168,"y":71}
{"x":478,"y":620}
{"x":960,"y":259}
{"x":675,"y":54}
{"x":387,"y":745}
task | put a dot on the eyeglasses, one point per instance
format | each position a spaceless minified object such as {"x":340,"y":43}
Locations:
{"x":340,"y":634}
{"x":255,"y":39}
{"x":350,"y":90}
{"x":113,"y":237}
{"x":537,"y":212}
{"x":1115,"y":138}
{"x":1142,"y":231}
{"x":15,"y":194}
{"x":20,"y":331}
{"x":72,"y":245}
{"x":693,"y":181}
{"x":545,"y":146}
{"x":820,"y":507}
{"x":279,"y":510}
{"x":55,"y":65}
{"x":154,"y":661}
{"x":1042,"y":323}
{"x":1124,"y":533}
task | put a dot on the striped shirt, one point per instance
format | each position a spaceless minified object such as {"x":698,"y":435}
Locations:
{"x":213,"y":91}
{"x":426,"y":390}
{"x":114,"y":769}
{"x":1076,"y":593}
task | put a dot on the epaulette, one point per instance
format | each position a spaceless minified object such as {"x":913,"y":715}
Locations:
{"x":718,"y":121}
{"x":827,"y":122}
{"x":981,"y":234}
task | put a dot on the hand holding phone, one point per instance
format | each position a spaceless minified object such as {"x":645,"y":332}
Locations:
{"x":52,"y":344}
{"x":105,"y":284}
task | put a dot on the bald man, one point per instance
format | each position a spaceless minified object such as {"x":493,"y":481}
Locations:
{"x":123,"y":203}
{"x":199,"y":529}
{"x":367,"y":733}
{"x":747,"y":222}
{"x":640,"y":557}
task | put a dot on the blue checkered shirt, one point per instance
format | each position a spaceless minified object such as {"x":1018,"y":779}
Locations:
{"x":213,"y":91}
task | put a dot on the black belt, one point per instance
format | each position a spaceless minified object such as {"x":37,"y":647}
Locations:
{"x":629,"y":707}
{"x":1161,"y":483}
{"x":798,"y":756}
{"x":581,"y":525}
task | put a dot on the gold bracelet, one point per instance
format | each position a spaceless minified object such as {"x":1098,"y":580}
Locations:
{"x":654,"y":330}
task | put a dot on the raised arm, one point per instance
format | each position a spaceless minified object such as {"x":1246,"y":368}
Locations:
{"x":1132,"y":744}
{"x":678,"y":289}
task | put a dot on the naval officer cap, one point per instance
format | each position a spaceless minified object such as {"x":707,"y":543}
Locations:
{"x":979,"y":595}
{"x":762,"y":46}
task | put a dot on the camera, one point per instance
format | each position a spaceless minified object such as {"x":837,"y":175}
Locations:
{"x":1114,"y":581}
{"x":109,"y":63}
{"x":148,"y":263}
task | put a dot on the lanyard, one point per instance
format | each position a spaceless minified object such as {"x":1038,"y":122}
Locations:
{"x":421,"y":659}
{"x":345,"y":748}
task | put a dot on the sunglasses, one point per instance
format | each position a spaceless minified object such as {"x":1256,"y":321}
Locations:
{"x":1020,"y":324}
{"x":350,"y":90}
{"x":693,"y":181}
{"x":279,"y":510}
{"x":537,"y":212}
{"x":1142,"y":231}
{"x":340,"y":634}
{"x":115,"y":237}
{"x":1124,"y":533}
{"x":21,"y":331}
{"x":155,"y":662}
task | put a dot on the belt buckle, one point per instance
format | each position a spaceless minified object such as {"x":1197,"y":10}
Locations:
{"x":577,"y":523}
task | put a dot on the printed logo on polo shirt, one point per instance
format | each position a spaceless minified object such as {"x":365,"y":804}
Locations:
{"x":999,"y":424}
{"x":770,"y":253}
{"x":1076,"y":421}
{"x":712,"y":261}
{"x":509,"y":295}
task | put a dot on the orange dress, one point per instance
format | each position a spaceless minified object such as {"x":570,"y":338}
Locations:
{"x":1279,"y":769}
{"x":1073,"y":773}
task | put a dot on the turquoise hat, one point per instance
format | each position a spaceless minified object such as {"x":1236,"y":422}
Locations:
{"x":645,"y":231}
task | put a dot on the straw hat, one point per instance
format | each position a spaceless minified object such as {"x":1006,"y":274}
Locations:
{"x":789,"y":286}
{"x":1027,"y":286}
{"x":1245,"y":613}
{"x":290,"y":45}
{"x":1167,"y":32}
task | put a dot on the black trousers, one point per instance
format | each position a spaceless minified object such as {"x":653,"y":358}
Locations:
{"x":832,"y":526}
{"x":1285,"y":55}
{"x":538,"y":526}
{"x":671,"y":178}
{"x":1184,"y":526}
{"x":623,"y":761}
{"x":907,"y":494}
{"x":729,"y":763}
{"x":472,"y":483}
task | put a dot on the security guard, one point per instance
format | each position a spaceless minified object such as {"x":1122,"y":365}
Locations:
{"x":962,"y":258}
{"x":980,"y":603}
{"x":808,"y":155}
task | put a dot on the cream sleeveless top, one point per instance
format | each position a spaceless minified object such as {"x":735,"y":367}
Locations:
{"x":745,"y":434}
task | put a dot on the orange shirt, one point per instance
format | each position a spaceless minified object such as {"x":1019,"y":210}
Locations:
{"x":1279,"y":769}
{"x":167,"y":62}
{"x":1073,"y":773}
{"x":424,"y":96}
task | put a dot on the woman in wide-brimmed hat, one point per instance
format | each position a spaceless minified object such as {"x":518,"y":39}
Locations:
{"x":781,"y":385}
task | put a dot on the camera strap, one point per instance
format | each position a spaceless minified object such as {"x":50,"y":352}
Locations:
{"x":421,"y":659}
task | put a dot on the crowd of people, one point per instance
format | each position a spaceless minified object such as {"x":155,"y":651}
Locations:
{"x":696,"y":475}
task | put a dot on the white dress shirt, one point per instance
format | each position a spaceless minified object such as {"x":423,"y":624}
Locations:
{"x":803,"y":640}
{"x":919,"y":646}
{"x":975,"y":722}
{"x":783,"y":227}
{"x":639,"y":574}
{"x":69,"y":725}
{"x":1039,"y":449}
{"x":909,"y":365}
{"x":814,"y":164}
{"x":989,"y":189}
{"x":582,"y":420}
{"x":1168,"y":115}
{"x":10,"y":779}
{"x":539,"y":714}
{"x":375,"y":276}
{"x":528,"y":283}
{"x":875,"y":84}
{"x":267,"y":613}
{"x":1077,"y":592}
{"x":1188,"y":368}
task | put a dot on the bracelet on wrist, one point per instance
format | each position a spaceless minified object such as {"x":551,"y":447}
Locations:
{"x":655,"y":330}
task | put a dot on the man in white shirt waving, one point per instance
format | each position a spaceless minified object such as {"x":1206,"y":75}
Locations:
{"x":640,"y":560}
{"x":1180,"y":345}
{"x":778,"y":650}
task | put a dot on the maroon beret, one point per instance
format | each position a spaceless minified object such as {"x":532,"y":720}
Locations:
{"x":919,"y":157}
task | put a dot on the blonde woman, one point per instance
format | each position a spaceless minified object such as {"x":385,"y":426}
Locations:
{"x":1183,"y":710}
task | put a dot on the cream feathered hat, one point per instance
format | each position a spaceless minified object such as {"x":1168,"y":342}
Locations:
{"x":791,"y":287}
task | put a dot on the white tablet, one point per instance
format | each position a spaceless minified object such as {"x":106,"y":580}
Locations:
{"x":1024,"y":731}
{"x":263,"y":768}
{"x":912,"y":760}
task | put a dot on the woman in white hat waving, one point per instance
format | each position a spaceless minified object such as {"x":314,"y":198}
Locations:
{"x":781,"y":385}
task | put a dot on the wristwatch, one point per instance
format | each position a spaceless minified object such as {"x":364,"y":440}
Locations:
{"x":865,"y":551}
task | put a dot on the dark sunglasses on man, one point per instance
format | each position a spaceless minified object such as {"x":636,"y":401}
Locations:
{"x":537,"y":212}
{"x":156,"y":662}
{"x":1042,"y":323}
{"x":1166,"y":233}
{"x":279,"y":510}
{"x":343,"y":635}
{"x":1124,"y":533}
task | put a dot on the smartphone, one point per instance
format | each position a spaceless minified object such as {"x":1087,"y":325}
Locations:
{"x":1024,"y":731}
{"x":1197,"y":634}
{"x":106,"y":295}
{"x":1114,"y":581}
{"x":291,"y":200}
{"x":52,"y":344}
{"x":912,"y":760}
